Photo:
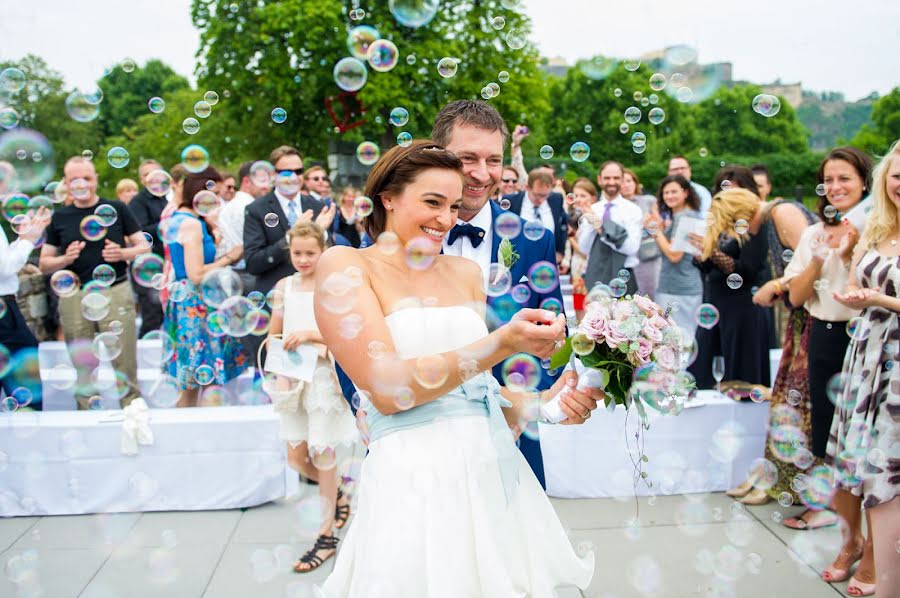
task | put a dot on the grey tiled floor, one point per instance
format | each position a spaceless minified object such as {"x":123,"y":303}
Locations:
{"x":694,"y":545}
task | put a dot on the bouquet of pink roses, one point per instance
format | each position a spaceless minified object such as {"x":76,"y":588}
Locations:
{"x":629,"y":347}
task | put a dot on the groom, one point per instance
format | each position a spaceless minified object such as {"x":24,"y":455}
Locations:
{"x":476,"y":132}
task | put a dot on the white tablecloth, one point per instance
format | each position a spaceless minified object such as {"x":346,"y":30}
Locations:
{"x":704,"y":449}
{"x":202,"y":458}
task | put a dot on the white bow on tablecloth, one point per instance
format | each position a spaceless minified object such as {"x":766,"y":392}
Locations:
{"x":136,"y":427}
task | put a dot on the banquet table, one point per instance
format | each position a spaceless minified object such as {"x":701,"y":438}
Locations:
{"x":70,"y":462}
{"x":707,"y":448}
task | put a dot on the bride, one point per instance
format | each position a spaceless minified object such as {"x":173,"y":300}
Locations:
{"x":447,"y":504}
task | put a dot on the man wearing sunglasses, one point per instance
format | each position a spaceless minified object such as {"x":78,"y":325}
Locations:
{"x":509,"y":181}
{"x":265,"y":243}
{"x":317,"y":183}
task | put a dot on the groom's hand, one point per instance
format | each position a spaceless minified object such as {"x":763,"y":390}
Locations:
{"x":576,"y":404}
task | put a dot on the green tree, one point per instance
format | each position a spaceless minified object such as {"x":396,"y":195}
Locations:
{"x":281,"y":54}
{"x":727,"y":123}
{"x":41,"y":106}
{"x":878,"y":136}
{"x":587,"y":107}
{"x":125,"y":94}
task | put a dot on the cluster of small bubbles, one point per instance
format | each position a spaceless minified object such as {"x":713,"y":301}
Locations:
{"x":279,"y":115}
{"x":580,"y":151}
{"x":632,"y":115}
{"x":404,"y":139}
{"x":367,"y":153}
{"x":821,"y":190}
{"x":741,"y":226}
{"x":357,"y":14}
{"x":399,"y":116}
{"x":766,"y":105}
{"x":734,"y":281}
{"x":830,"y":211}
{"x":190,"y":125}
{"x":446,"y":67}
{"x":350,"y":74}
{"x":516,"y":39}
{"x":202,"y":109}
{"x":656,"y":115}
{"x":707,"y":316}
{"x":503,"y":76}
{"x":383,"y":55}
{"x":156,"y":104}
{"x":413,"y":14}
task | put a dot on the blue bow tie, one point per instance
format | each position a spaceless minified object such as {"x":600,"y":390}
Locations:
{"x":475,"y":234}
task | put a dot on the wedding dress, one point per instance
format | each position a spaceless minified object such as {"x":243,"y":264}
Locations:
{"x":447,"y":506}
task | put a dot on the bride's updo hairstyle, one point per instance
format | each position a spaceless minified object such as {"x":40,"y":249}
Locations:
{"x":396,"y":169}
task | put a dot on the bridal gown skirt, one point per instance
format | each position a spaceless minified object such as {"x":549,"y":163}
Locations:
{"x":432,"y":521}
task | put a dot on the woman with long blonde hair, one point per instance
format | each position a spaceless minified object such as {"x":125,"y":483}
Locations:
{"x":863,"y":443}
{"x":733,"y":259}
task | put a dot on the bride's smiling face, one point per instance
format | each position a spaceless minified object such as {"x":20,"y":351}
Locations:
{"x":426,"y":208}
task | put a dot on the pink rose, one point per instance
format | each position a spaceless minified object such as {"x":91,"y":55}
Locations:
{"x":642,"y":355}
{"x":659,"y":322}
{"x":651,"y":332}
{"x":614,"y":335}
{"x":665,"y":357}
{"x":646,"y":305}
{"x":594,"y":324}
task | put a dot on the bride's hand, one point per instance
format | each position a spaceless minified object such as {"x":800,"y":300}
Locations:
{"x":534,"y":331}
{"x":576,"y":404}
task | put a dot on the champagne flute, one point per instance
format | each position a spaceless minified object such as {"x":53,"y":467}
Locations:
{"x":718,"y":371}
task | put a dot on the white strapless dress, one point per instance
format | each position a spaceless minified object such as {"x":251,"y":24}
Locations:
{"x":432,"y":519}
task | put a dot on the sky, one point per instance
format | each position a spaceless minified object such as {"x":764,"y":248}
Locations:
{"x":823,"y":44}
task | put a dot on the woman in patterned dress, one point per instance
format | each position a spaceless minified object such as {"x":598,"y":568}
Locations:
{"x":864,"y":444}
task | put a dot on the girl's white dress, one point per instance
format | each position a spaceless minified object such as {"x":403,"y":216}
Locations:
{"x":433,"y":518}
{"x":322,"y":416}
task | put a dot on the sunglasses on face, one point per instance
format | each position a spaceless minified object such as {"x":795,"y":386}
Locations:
{"x":229,"y":187}
{"x":297,"y":171}
{"x":510,"y":180}
{"x":317,"y":179}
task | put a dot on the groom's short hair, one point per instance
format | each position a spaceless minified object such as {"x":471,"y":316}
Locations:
{"x":467,"y":112}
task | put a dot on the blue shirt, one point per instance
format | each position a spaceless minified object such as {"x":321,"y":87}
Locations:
{"x":176,"y":249}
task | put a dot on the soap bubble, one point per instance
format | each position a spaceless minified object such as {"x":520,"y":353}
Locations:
{"x":159,"y":182}
{"x":516,"y":39}
{"x":206,"y":202}
{"x":521,"y":372}
{"x":363,"y":206}
{"x":707,"y":316}
{"x":279,"y":115}
{"x":92,"y":228}
{"x":104,"y":274}
{"x":830,"y":211}
{"x":503,"y":76}
{"x":12,"y":80}
{"x":498,"y":23}
{"x":546,"y":152}
{"x":359,"y":39}
{"x":367,"y":153}
{"x":350,"y":74}
{"x":64,"y":283}
{"x":202,"y":109}
{"x":9,"y":118}
{"x":383,"y":55}
{"x":413,"y":13}
{"x":766,"y":104}
{"x":543,"y":277}
{"x":734,"y":281}
{"x":404,"y":139}
{"x":399,"y":116}
{"x":580,"y":151}
{"x":156,"y":104}
{"x":656,"y":115}
{"x":446,"y":67}
{"x":821,"y":190}
{"x":533,"y":230}
{"x":195,"y":158}
{"x":631,"y":64}
{"x":632,"y":115}
{"x":190,"y":126}
{"x":507,"y":225}
{"x":657,"y":82}
{"x":145,"y":268}
{"x":211,"y":98}
{"x":118,"y":157}
{"x":81,"y":107}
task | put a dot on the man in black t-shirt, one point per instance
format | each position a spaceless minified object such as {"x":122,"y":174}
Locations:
{"x":83,"y":235}
{"x":148,"y":209}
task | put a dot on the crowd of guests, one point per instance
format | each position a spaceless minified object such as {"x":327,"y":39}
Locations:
{"x":739,"y":271}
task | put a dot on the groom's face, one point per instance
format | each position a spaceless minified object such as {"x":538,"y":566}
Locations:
{"x":481,"y":152}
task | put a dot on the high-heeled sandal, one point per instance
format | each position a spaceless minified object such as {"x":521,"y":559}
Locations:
{"x":817,"y":520}
{"x":756,"y":497}
{"x":742,"y":489}
{"x":312,"y":557}
{"x":341,"y":512}
{"x":832,"y":574}
{"x":859,"y":588}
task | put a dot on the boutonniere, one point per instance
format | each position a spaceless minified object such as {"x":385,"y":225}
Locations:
{"x":506,"y":258}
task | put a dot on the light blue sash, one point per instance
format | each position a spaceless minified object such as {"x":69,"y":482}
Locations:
{"x":478,"y":396}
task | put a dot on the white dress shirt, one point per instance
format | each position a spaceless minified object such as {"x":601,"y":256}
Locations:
{"x":704,"y":195}
{"x":231,"y":224}
{"x":626,"y":214}
{"x":284,"y":202}
{"x":12,"y":259}
{"x":481,"y":255}
{"x":544,"y":211}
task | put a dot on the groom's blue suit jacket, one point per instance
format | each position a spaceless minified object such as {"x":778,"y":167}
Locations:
{"x":502,"y":308}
